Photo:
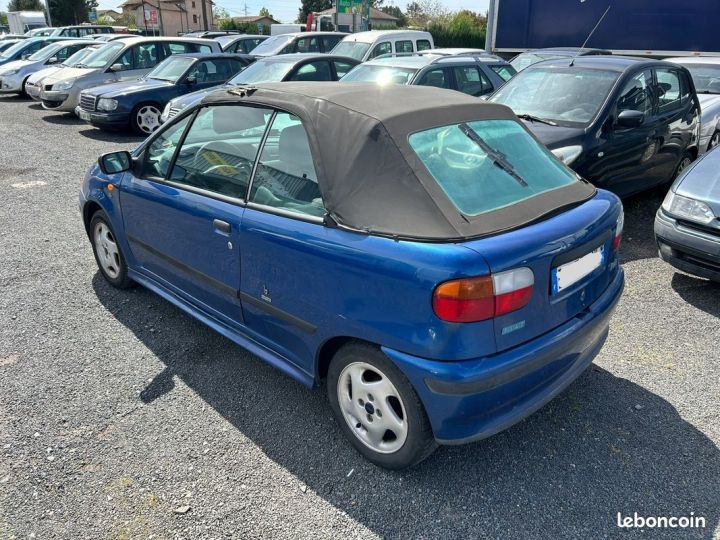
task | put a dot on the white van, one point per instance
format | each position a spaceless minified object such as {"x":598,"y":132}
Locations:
{"x":366,"y":45}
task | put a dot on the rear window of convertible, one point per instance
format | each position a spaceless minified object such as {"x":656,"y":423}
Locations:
{"x":487,"y":165}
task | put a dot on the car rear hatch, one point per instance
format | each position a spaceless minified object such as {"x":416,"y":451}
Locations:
{"x":573,"y":260}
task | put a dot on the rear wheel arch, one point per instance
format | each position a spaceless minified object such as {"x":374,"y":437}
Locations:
{"x":329,"y":349}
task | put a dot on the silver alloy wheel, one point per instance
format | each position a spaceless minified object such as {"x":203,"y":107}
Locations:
{"x":148,"y":118}
{"x":684,"y":164}
{"x":714,"y":140}
{"x":107,"y":250}
{"x":372,"y":407}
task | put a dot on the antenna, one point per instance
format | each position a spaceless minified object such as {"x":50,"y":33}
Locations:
{"x":591,"y":31}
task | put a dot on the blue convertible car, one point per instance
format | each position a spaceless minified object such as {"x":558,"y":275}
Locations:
{"x":138,"y":104}
{"x":442,"y":270}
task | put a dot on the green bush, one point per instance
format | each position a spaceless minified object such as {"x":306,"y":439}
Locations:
{"x":458,"y":30}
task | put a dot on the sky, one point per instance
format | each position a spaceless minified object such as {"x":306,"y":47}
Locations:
{"x":287,"y":10}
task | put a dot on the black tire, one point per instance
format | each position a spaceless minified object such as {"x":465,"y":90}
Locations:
{"x":121,"y":279}
{"x":23,"y":93}
{"x":684,"y":163}
{"x":135,"y":125}
{"x":419,"y":442}
{"x":714,"y":140}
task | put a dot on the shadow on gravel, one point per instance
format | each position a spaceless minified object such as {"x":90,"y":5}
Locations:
{"x":110,"y":136}
{"x":638,"y":235}
{"x":701,"y":293}
{"x":604,"y":446}
{"x":63,"y":119}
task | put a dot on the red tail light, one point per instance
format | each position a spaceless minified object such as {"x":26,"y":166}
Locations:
{"x":484,"y":297}
{"x":619,"y":230}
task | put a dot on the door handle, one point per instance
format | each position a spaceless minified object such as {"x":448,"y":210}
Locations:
{"x":221,"y":226}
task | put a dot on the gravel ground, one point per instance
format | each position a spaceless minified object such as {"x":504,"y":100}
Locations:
{"x":116,"y":408}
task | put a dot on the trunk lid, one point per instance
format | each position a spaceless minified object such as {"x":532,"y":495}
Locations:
{"x":547,"y":245}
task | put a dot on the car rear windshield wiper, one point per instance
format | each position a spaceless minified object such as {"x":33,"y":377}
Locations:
{"x":497,"y":157}
{"x":534,"y":118}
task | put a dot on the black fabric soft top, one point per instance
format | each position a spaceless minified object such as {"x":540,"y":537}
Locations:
{"x":370,"y":178}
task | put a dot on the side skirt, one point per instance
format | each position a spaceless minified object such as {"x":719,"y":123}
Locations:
{"x":244,"y":341}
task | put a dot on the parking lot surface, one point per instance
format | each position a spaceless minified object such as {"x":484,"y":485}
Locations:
{"x":122,"y":417}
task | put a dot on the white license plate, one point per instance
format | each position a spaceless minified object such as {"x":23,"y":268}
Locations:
{"x":570,"y":273}
{"x":84,"y":115}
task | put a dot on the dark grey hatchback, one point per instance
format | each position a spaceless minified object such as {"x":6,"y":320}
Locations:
{"x":625,"y":124}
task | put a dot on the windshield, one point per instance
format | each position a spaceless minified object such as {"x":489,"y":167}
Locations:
{"x":262,"y":72}
{"x":272,"y":44}
{"x":102,"y":56}
{"x":487,"y":165}
{"x":568,"y":96}
{"x":45,"y":53}
{"x":171,"y":69}
{"x":353,"y":49}
{"x":706,"y":78}
{"x":380,"y":74}
{"x":19,"y":46}
{"x":79,"y":56}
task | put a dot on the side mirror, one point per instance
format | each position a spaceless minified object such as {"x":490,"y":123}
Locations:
{"x":116,"y":67}
{"x":115,"y":162}
{"x":191,"y":80}
{"x":53,"y":60}
{"x":630,"y":119}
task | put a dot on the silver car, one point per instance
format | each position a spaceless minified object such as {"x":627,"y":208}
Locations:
{"x":33,"y":84}
{"x":705,"y":72}
{"x":14,"y":74}
{"x":687,"y":225}
{"x":121,"y":60}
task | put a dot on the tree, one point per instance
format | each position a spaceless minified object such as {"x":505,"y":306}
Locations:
{"x":265,"y":12}
{"x":309,"y":6}
{"x":395,"y":11}
{"x":67,"y":12}
{"x":25,"y":5}
{"x":3,"y":18}
{"x":220,"y":12}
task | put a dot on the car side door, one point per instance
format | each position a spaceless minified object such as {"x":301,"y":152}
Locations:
{"x":471,"y":80}
{"x":183,"y":205}
{"x":138,"y":60}
{"x":623,"y":158}
{"x":284,"y":213}
{"x":439,"y":77}
{"x":677,"y":118}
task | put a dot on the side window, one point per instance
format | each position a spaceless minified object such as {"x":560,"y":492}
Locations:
{"x":35,"y":47}
{"x":207,"y":49}
{"x":667,"y":89}
{"x":219,"y":150}
{"x":470,"y":80}
{"x":435,"y":77}
{"x":423,"y":45}
{"x":504,"y":72}
{"x":160,"y":152}
{"x":285,"y":176}
{"x":685,"y":93}
{"x":307,"y":44}
{"x":403,"y":46}
{"x":175,"y":48}
{"x":146,"y":55}
{"x":126,"y":60}
{"x":341,"y":68}
{"x":636,"y":94}
{"x":314,"y":71}
{"x":65,"y":52}
{"x":381,"y":48}
{"x":329,"y":42}
{"x":211,"y":71}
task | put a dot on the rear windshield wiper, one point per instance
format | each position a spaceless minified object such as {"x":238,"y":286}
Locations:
{"x":534,"y":118}
{"x":497,"y":157}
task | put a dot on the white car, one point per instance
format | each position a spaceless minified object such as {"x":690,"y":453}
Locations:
{"x":705,"y":71}
{"x":120,"y":60}
{"x":33,"y":84}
